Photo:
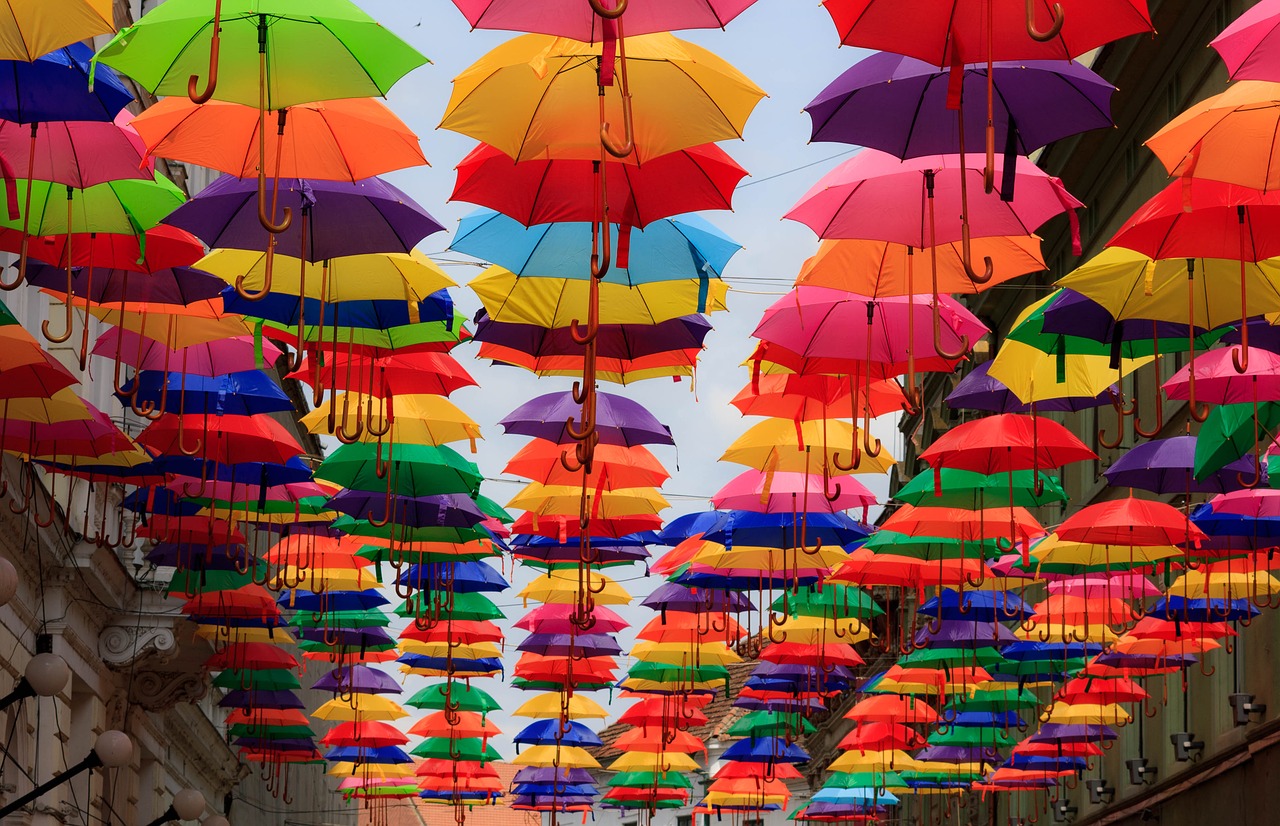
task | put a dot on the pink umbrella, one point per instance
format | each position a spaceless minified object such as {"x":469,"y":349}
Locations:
{"x":1125,"y":585}
{"x":1218,"y":382}
{"x":228,"y":491}
{"x":556,"y":619}
{"x":1251,"y":45}
{"x":877,"y":197}
{"x":1255,"y":504}
{"x":820,"y":322}
{"x":213,"y":358}
{"x":791,"y":492}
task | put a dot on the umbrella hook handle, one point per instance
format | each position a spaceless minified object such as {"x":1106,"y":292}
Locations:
{"x":1137,"y":422}
{"x":1117,"y":402}
{"x":341,"y":430}
{"x":609,"y":14}
{"x":830,"y":494}
{"x":938,"y":347}
{"x":934,"y":624}
{"x":193,"y":82}
{"x":1055,"y":28}
{"x":388,"y":411}
{"x":70,"y":317}
{"x":628,"y":144}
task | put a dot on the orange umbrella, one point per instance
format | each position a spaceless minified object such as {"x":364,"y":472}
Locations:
{"x":809,"y":397}
{"x":468,"y":724}
{"x":335,"y":140}
{"x":639,"y":739}
{"x":880,"y":268}
{"x":619,"y":466}
{"x":893,"y":708}
{"x":865,"y":567}
{"x":681,"y":626}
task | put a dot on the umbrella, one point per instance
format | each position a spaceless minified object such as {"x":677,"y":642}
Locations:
{"x":979,"y":391}
{"x":617,"y":421}
{"x":683,"y":96}
{"x":31,"y":31}
{"x":337,"y":140}
{"x":545,"y":190}
{"x":1003,"y":443}
{"x":754,"y":490}
{"x":1170,"y":465}
{"x":568,"y":19}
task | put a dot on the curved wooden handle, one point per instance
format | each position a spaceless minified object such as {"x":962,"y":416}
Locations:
{"x":193,"y":82}
{"x":937,"y":337}
{"x":609,"y":14}
{"x":66,"y":334}
{"x":1054,"y":29}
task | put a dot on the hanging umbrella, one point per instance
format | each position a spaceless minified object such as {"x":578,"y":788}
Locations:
{"x":30,"y":31}
{"x":335,"y":140}
{"x":879,"y":268}
{"x":979,"y":391}
{"x":618,"y":420}
{"x":567,"y":19}
{"x":684,"y":96}
{"x":1170,"y":466}
{"x":543,"y":191}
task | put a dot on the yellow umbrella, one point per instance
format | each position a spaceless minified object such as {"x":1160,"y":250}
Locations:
{"x":360,"y":708}
{"x":223,"y":635}
{"x":372,"y":771}
{"x":1056,"y":632}
{"x":1054,"y":551}
{"x":561,"y":588}
{"x":394,"y":275}
{"x":769,"y":559}
{"x":473,"y":651}
{"x":772,"y":445}
{"x":557,"y":302}
{"x":874,"y":761}
{"x":173,"y":330}
{"x":543,"y":500}
{"x":1088,"y":714}
{"x":673,"y":653}
{"x":537,"y":94}
{"x":118,"y":459}
{"x":1201,"y":584}
{"x":562,"y":757}
{"x":714,"y":800}
{"x":329,"y":579}
{"x":547,"y":707}
{"x":415,"y":419}
{"x":809,"y":630}
{"x":240,"y":515}
{"x":1035,"y":376}
{"x":31,"y":28}
{"x":649,"y":761}
{"x":63,"y":406}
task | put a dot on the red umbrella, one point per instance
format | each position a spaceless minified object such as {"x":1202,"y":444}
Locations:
{"x":165,"y":247}
{"x":882,"y":736}
{"x":406,"y":371}
{"x":544,"y":191}
{"x":658,"y":711}
{"x":807,"y":397}
{"x":1091,"y":690}
{"x":1130,"y":522}
{"x":191,"y":530}
{"x":368,"y":734}
{"x":893,"y":708}
{"x":1005,"y":443}
{"x":227,"y":440}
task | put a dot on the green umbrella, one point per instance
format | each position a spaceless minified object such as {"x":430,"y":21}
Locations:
{"x":491,"y":508}
{"x":771,"y":724}
{"x":832,"y":601}
{"x":199,"y":582}
{"x":309,"y":505}
{"x":281,"y":52}
{"x":415,"y":470}
{"x":865,"y":780}
{"x":1228,"y":434}
{"x":269,"y":732}
{"x":319,"y":646}
{"x":995,"y":699}
{"x":370,"y":618}
{"x":405,"y":533}
{"x":470,"y":749}
{"x":426,"y":332}
{"x":1041,"y":669}
{"x":126,"y":207}
{"x":641,"y":779}
{"x":648,"y":803}
{"x":944,"y":657}
{"x":427,"y":553}
{"x":987,"y":736}
{"x":930,"y":548}
{"x":547,"y":685}
{"x":273,"y":679}
{"x":468,"y":698}
{"x":974,"y":491}
{"x":459,"y":606}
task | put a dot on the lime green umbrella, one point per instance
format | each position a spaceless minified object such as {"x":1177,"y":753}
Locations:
{"x":491,"y":508}
{"x":405,"y":533}
{"x":771,"y":724}
{"x":974,"y":491}
{"x":459,"y":606}
{"x":548,"y":685}
{"x":426,"y":332}
{"x":273,"y":679}
{"x":415,"y":470}
{"x":429,"y":552}
{"x":276,"y":52}
{"x":832,"y":600}
{"x":469,"y":749}
{"x":126,"y":207}
{"x":1228,"y":434}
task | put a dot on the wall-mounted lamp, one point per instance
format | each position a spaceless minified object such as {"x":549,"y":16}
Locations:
{"x":45,"y":676}
{"x":1064,"y":812}
{"x":1099,"y":791}
{"x":1139,"y":772}
{"x":1243,"y":708}
{"x":112,"y":749}
{"x":1186,"y":747}
{"x":187,"y":804}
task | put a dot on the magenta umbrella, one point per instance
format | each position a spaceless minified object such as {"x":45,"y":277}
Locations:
{"x":1218,"y":382}
{"x":1251,"y":45}
{"x":579,"y":20}
{"x":77,"y":154}
{"x":785,"y":492}
{"x":1255,"y":504}
{"x":820,"y":322}
{"x":1124,"y":585}
{"x":213,"y":358}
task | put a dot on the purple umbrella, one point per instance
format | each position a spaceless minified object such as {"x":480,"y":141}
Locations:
{"x":101,"y":285}
{"x":978,"y":391}
{"x":550,"y":774}
{"x":569,"y":645}
{"x":672,"y":597}
{"x":799,"y":706}
{"x":357,"y":679}
{"x":346,"y":637}
{"x":1073,"y":733}
{"x":1073,"y":314}
{"x":340,"y":218}
{"x":1167,"y":466}
{"x":900,"y":105}
{"x":964,"y":634}
{"x":1262,"y":334}
{"x":449,"y":510}
{"x":619,"y":420}
{"x":960,"y":754}
{"x":615,"y":341}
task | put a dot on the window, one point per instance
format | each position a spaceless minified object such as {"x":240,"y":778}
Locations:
{"x":684,"y":820}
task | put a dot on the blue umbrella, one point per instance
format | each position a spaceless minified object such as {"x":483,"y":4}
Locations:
{"x":234,"y":394}
{"x":56,"y":86}
{"x":266,"y":474}
{"x":982,"y":606}
{"x":550,"y":733}
{"x":452,"y":510}
{"x":571,"y":645}
{"x":856,"y":796}
{"x":671,"y":249}
{"x":366,"y":314}
{"x":368,"y":754}
{"x":781,"y":530}
{"x":301,"y":600}
{"x":1203,"y":610}
{"x":765,"y":750}
{"x":463,"y":577}
{"x":457,"y":665}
